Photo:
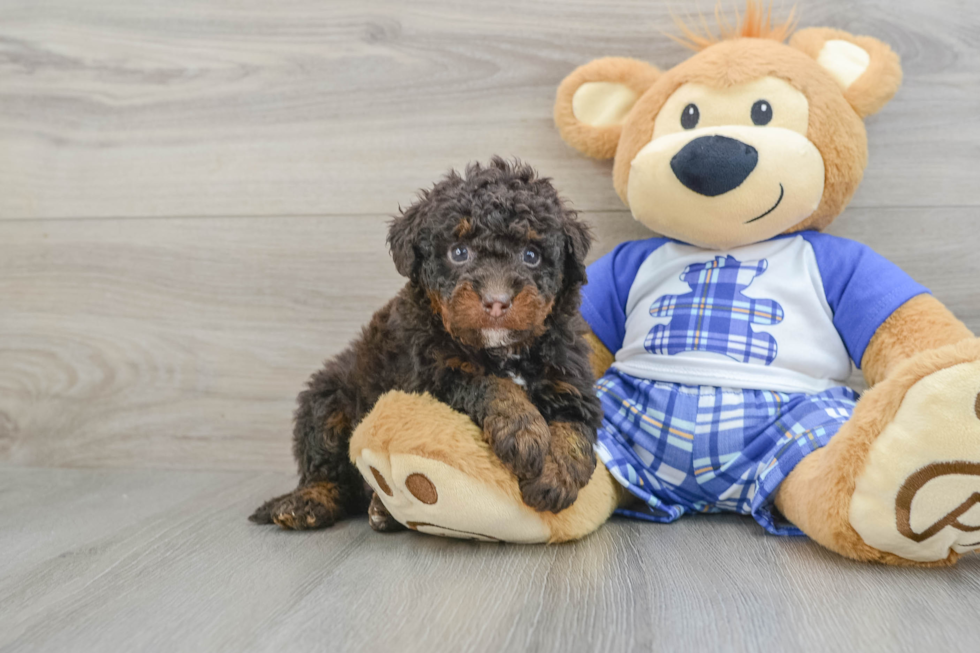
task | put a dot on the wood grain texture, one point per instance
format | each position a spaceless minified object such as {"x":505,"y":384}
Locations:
{"x":129,"y":108}
{"x":156,"y":560}
{"x":167,"y":342}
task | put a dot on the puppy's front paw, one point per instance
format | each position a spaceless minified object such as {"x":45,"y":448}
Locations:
{"x":572,"y":449}
{"x":552,"y":491}
{"x":558,"y":485}
{"x":308,"y":507}
{"x":567,"y":468}
{"x":520,"y":439}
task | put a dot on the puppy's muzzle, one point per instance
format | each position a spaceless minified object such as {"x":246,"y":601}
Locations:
{"x":478,"y":317}
{"x":496,"y":304}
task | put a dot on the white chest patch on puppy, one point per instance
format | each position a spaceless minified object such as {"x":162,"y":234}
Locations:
{"x":496,"y":337}
{"x":518,"y":379}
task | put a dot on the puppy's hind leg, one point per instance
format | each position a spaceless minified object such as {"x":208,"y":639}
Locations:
{"x":380,"y":519}
{"x":315,"y":505}
{"x":330,"y":487}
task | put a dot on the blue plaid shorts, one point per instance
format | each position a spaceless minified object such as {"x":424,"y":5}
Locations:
{"x":684,"y":448}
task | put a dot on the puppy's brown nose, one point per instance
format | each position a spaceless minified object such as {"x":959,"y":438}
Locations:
{"x":496,"y":305}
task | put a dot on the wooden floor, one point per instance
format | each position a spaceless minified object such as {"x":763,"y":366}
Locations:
{"x":193,"y":198}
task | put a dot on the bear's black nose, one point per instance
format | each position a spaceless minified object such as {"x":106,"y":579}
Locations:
{"x":714,"y":165}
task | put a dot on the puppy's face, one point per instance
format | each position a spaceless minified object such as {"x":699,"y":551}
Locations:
{"x":493,"y":279}
{"x":494,"y":253}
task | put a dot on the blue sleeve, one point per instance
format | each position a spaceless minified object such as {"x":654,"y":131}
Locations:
{"x":609,"y":281}
{"x":862,"y":287}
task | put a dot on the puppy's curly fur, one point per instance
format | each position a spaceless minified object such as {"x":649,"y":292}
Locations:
{"x":488,"y":323}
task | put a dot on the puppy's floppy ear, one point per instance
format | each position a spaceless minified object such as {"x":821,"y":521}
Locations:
{"x":593,"y":103}
{"x":867,"y":70}
{"x":578,"y":240}
{"x":404,"y":235}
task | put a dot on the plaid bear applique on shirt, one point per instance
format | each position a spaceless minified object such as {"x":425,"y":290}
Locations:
{"x":715,"y":316}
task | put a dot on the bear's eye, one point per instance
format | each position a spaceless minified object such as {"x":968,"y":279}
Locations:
{"x":761,"y":113}
{"x":531,"y":257}
{"x":690,"y":116}
{"x":459,"y":254}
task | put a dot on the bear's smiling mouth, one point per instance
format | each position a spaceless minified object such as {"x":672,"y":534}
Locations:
{"x":781,"y":192}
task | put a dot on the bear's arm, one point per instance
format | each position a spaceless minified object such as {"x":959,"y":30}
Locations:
{"x":919,"y":324}
{"x":600,"y":358}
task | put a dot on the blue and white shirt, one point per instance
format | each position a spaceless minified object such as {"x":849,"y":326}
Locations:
{"x":787,"y":314}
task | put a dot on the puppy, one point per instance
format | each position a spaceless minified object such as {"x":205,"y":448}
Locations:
{"x":488,"y":323}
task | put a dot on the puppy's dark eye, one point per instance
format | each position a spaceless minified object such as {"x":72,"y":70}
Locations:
{"x":761,"y":113}
{"x":531,"y":257}
{"x":690,"y":116}
{"x":459,"y":254}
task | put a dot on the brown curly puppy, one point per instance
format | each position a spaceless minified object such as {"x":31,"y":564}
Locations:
{"x":488,"y":323}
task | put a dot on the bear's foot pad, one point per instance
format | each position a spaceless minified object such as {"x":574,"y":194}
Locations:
{"x":432,"y":497}
{"x":919,"y":494}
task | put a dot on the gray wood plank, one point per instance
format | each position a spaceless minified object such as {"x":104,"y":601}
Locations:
{"x":124,"y":108}
{"x":151,"y":561}
{"x":192,"y":337}
{"x":183,"y":343}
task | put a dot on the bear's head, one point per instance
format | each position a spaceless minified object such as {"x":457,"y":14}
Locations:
{"x":749,"y":138}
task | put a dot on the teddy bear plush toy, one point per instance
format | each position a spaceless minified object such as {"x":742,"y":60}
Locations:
{"x":722,"y":345}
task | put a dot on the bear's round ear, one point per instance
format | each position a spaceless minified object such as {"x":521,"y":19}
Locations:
{"x":867,"y":70}
{"x":593,"y":103}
